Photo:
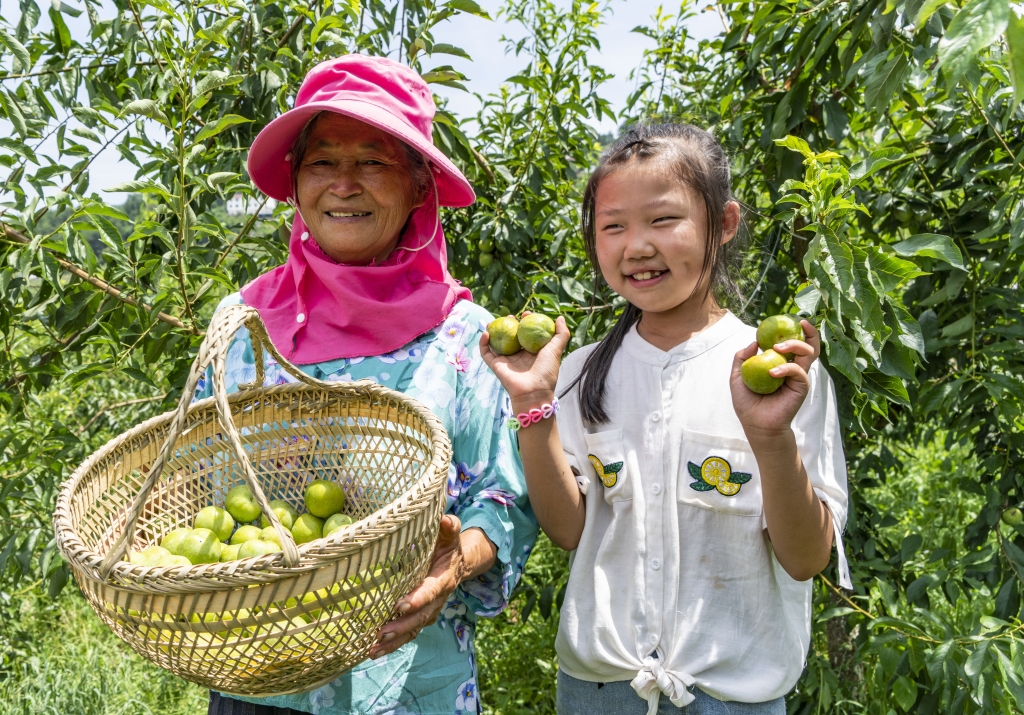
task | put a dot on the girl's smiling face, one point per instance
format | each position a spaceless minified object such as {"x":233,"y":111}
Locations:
{"x":355,"y":189}
{"x":651,"y":236}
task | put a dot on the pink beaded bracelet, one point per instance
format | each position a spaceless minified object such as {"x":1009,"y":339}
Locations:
{"x":525,"y":419}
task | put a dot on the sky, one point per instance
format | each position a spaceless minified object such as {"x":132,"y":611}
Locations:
{"x":621,"y":51}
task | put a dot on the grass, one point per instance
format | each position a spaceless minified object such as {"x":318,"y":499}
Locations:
{"x":58,"y":658}
{"x":70,"y":664}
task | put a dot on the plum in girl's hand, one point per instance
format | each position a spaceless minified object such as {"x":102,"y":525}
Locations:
{"x":756,"y":375}
{"x":507,"y":336}
{"x":778,"y":329}
{"x":504,"y":335}
{"x":535,"y":331}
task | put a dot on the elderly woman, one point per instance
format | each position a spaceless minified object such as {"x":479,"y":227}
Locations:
{"x":366,"y":293}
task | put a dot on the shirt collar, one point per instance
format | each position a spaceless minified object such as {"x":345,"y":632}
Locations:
{"x":637,"y":347}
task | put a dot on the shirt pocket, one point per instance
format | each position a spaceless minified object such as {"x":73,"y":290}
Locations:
{"x":719,"y":473}
{"x":607,"y":458}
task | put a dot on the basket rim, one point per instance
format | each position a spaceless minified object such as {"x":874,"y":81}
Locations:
{"x":311,"y":553}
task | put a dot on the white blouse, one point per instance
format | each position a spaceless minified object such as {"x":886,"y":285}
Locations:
{"x":674,"y":583}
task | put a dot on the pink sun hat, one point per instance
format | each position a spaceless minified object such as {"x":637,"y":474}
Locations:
{"x":383,"y":93}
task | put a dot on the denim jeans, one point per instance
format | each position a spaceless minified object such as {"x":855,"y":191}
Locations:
{"x":579,"y":697}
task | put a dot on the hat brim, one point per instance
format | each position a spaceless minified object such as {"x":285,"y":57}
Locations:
{"x":272,"y":173}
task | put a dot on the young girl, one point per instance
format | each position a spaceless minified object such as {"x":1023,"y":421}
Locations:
{"x":698,"y":510}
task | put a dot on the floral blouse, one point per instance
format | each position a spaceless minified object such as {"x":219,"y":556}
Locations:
{"x":436,"y":673}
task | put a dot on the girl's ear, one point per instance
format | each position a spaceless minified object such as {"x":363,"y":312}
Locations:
{"x":730,"y":221}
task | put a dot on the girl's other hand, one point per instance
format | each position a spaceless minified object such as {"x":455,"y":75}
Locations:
{"x":525,"y":374}
{"x":770,"y":415}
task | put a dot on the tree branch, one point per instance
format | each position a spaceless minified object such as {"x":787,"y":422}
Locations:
{"x":291,"y":31}
{"x":62,"y":70}
{"x":142,"y":30}
{"x":101,"y":284}
{"x":116,"y":405}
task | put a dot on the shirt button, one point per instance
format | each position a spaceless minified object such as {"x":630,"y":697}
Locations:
{"x":655,"y":564}
{"x":656,"y":488}
{"x":300,"y":318}
{"x":305,"y":235}
{"x":662,"y":358}
{"x":652,"y":639}
{"x":655,"y":416}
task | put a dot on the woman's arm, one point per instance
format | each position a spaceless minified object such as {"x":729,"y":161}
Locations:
{"x":799,"y":524}
{"x":458,"y":556}
{"x":530,"y":381}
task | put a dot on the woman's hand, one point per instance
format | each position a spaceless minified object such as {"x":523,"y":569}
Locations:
{"x":764,"y":416}
{"x":525,"y":374}
{"x":458,"y":555}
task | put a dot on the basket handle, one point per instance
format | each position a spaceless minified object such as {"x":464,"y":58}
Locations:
{"x":212,"y":352}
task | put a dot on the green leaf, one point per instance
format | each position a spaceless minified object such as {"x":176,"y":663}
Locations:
{"x":467,"y":6}
{"x":94,"y":209}
{"x":975,"y":664}
{"x":215,"y":80}
{"x":13,"y":111}
{"x":977,"y":26}
{"x":904,"y":691}
{"x":931,"y":245}
{"x":808,"y":298}
{"x":739,"y":477}
{"x":1014,"y":553}
{"x":221,"y":177}
{"x":889,"y":271}
{"x":441,"y":75}
{"x":144,"y":107}
{"x":446,"y":49}
{"x":927,"y":10}
{"x":58,"y":579}
{"x":701,"y":486}
{"x":911,"y":544}
{"x":892,"y":388}
{"x":61,"y":33}
{"x":1007,"y":599}
{"x":144,"y":187}
{"x":1015,"y":41}
{"x":958,"y":327}
{"x":225,"y":122}
{"x":875,"y":162}
{"x":694,"y":470}
{"x":796,"y":144}
{"x":328,"y":22}
{"x":17,"y":49}
{"x":65,"y":8}
{"x":885,"y":80}
{"x":108,"y":233}
{"x":794,"y":199}
{"x":842,"y":352}
{"x":576,"y":290}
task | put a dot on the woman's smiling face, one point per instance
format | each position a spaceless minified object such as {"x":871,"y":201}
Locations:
{"x":650,"y":231}
{"x":355,"y":189}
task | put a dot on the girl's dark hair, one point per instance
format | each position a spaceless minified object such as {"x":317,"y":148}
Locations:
{"x":699,"y":161}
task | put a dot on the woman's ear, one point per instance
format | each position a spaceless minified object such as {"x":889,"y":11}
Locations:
{"x":730,"y":221}
{"x":421,"y":197}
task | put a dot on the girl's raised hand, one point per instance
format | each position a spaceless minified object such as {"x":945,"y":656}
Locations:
{"x":766,"y":415}
{"x":524,"y":373}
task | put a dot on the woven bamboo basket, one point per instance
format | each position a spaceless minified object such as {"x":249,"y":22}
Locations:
{"x":284,"y":622}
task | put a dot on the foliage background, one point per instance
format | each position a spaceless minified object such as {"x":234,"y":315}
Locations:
{"x":877,"y":146}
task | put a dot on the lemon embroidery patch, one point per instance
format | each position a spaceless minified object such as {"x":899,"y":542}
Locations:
{"x":715,"y":473}
{"x":609,"y":473}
